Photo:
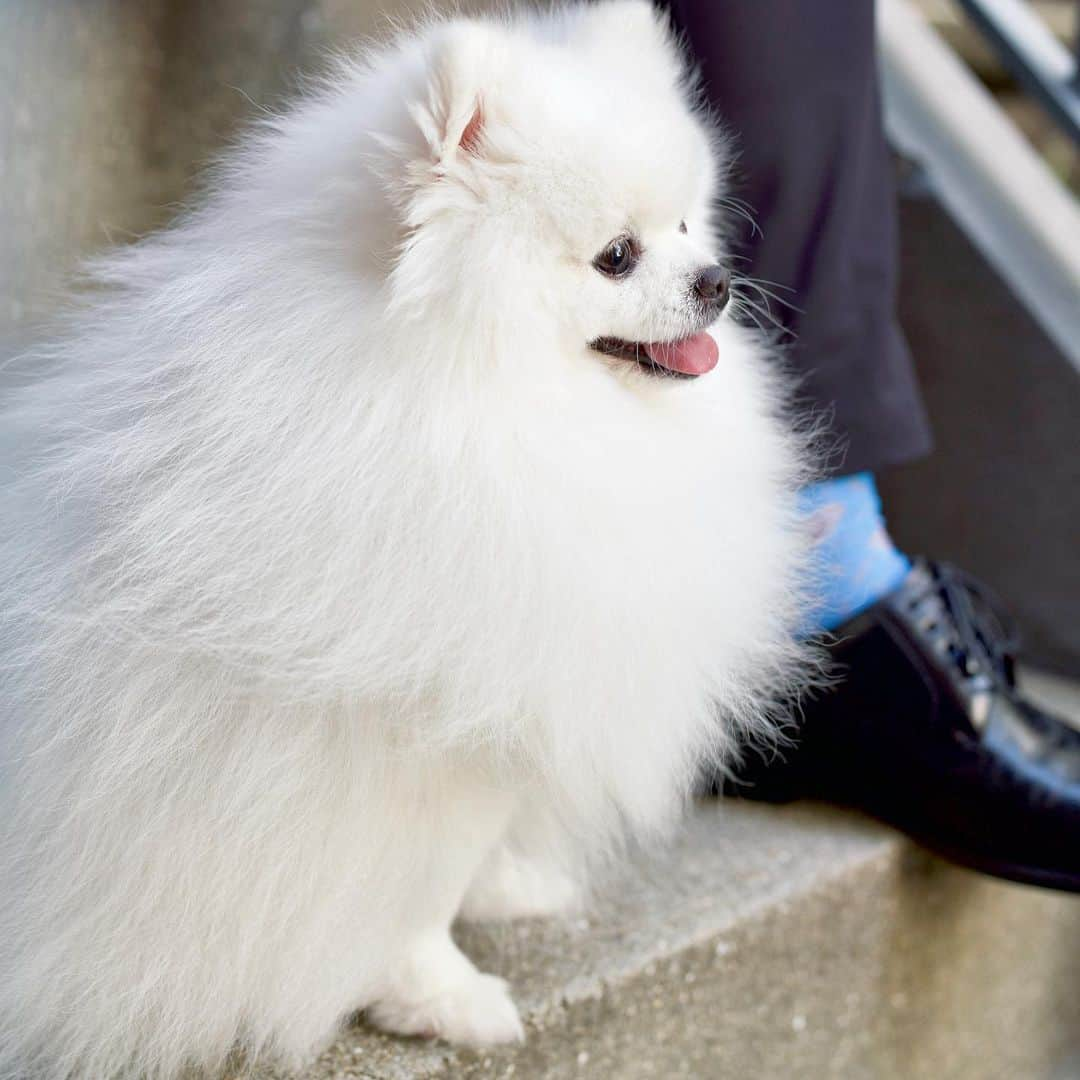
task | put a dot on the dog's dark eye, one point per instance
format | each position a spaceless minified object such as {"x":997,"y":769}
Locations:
{"x":682,"y":226}
{"x":618,"y":258}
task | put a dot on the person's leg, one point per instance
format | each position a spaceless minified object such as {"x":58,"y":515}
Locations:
{"x":795,"y":83}
{"x":923,"y":725}
{"x":857,"y":560}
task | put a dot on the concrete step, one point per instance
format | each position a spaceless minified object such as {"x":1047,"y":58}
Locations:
{"x":796,"y":942}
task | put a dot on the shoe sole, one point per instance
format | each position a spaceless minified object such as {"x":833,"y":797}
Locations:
{"x":1018,"y":873}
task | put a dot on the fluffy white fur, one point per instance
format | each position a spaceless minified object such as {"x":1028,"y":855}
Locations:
{"x":341,"y":583}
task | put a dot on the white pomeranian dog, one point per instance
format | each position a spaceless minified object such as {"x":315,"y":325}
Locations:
{"x":386,"y":542}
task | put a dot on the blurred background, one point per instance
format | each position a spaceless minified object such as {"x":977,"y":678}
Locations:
{"x":112,"y":108}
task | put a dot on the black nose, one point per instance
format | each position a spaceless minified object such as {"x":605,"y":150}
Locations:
{"x":712,"y":287}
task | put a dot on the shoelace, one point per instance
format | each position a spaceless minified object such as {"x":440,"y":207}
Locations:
{"x":986,"y":633}
{"x":965,"y":621}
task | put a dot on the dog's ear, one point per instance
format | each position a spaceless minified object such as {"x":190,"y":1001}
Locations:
{"x":469,"y":140}
{"x":464,"y":66}
{"x":634,"y":32}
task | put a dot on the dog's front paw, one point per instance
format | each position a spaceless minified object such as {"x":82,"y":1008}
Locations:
{"x":443,"y":996}
{"x":478,"y":1012}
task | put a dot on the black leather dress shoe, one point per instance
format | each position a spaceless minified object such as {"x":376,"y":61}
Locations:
{"x":925,"y":729}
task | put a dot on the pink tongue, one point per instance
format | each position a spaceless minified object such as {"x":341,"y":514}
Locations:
{"x":691,"y":356}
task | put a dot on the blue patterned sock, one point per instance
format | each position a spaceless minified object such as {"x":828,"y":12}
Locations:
{"x":857,"y":562}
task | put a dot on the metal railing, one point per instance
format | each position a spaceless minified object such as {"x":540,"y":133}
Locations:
{"x":992,"y":181}
{"x":1034,"y":56}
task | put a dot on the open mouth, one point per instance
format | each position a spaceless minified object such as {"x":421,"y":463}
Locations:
{"x":686,"y":358}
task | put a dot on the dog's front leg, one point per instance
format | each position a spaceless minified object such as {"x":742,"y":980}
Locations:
{"x":530,"y":874}
{"x":437,"y":991}
{"x":432,"y":988}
